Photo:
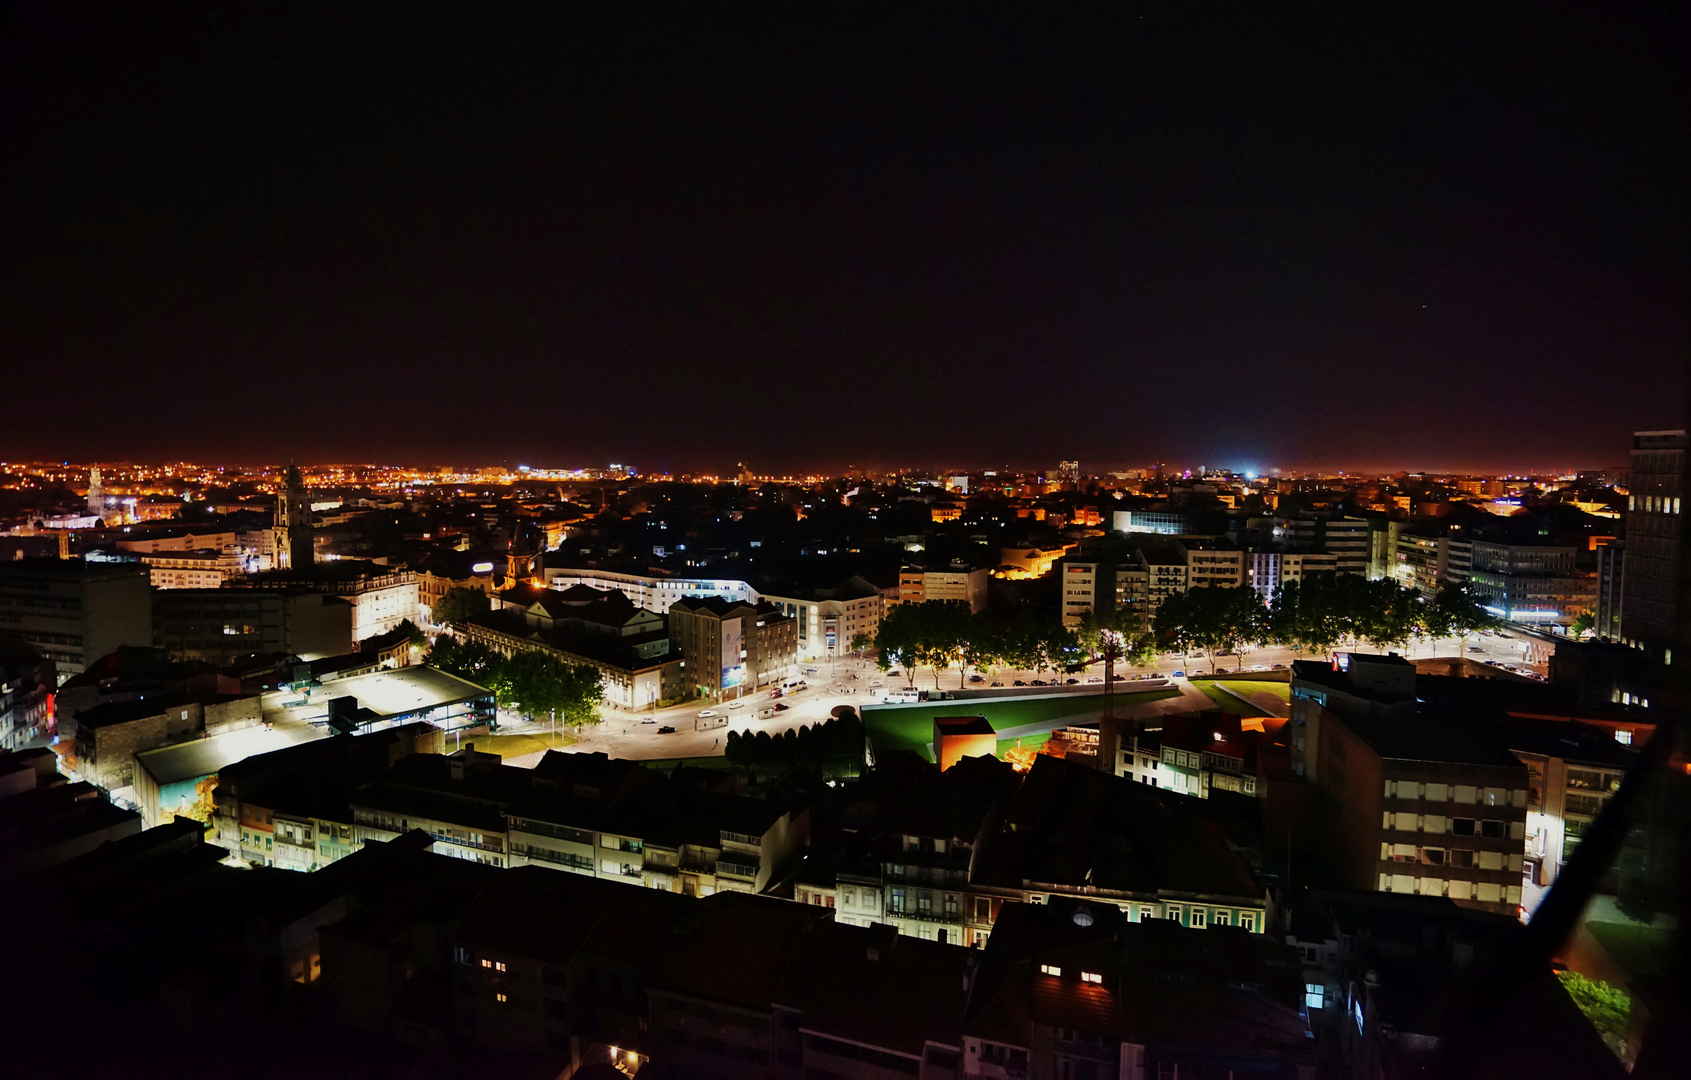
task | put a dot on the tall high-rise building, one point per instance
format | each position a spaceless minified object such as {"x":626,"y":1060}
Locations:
{"x":1651,"y":570}
{"x":294,"y":549}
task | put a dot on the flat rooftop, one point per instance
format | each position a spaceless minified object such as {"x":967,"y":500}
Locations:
{"x":202,"y":757}
{"x":400,"y":691}
{"x":395,"y":692}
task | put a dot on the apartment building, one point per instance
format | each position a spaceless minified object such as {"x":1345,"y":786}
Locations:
{"x":1212,"y":562}
{"x":1655,"y":498}
{"x":1415,"y":803}
{"x":74,"y":611}
{"x":1269,"y":569}
{"x":217,"y":625}
{"x":1537,"y":584}
{"x":731,"y":647}
{"x":1429,"y":557}
{"x":919,"y":584}
{"x":1081,"y":589}
{"x":1573,"y":769}
{"x":381,"y":596}
{"x":1165,"y":575}
{"x":827,"y":619}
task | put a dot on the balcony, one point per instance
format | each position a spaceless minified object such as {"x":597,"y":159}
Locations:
{"x":731,"y":868}
{"x":951,"y":917}
{"x":465,"y":841}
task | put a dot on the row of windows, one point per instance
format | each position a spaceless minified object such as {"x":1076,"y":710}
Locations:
{"x":1454,"y":826}
{"x":1456,"y":889}
{"x":1459,"y":858}
{"x":1461,"y":793}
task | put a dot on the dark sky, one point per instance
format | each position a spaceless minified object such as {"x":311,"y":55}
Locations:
{"x":1453,"y":237}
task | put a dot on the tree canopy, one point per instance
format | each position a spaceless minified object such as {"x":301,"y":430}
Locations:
{"x":458,"y":605}
{"x":538,"y":683}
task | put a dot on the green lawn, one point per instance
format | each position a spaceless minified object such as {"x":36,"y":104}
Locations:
{"x":1637,"y":949}
{"x":913,"y":729}
{"x":1230,"y":704}
{"x":510,"y":746}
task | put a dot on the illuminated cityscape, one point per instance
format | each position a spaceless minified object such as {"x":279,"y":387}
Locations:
{"x":1093,"y":544}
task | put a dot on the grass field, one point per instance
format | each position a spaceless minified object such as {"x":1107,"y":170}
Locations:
{"x":510,"y":746}
{"x":1230,"y":704}
{"x":913,"y":729}
{"x":1638,"y":950}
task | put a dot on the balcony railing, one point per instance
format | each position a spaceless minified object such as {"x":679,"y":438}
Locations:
{"x":928,"y":916}
{"x":464,"y":841}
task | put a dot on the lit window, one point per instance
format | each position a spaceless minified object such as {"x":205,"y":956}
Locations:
{"x":1050,"y":969}
{"x":487,"y":963}
{"x":1091,"y":977}
{"x":501,"y":998}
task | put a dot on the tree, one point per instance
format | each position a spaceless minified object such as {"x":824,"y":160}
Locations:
{"x":1582,"y":624}
{"x":862,"y":642}
{"x":1141,"y":650}
{"x":1173,"y":624}
{"x":536,"y":681}
{"x":1461,"y":610}
{"x":897,"y":639}
{"x":469,"y":660}
{"x":1089,"y":633}
{"x":981,"y":645}
{"x":459,"y":605}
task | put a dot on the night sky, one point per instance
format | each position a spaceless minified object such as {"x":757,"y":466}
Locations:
{"x":1454,"y":238}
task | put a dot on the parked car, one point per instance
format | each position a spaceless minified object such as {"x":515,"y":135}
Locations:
{"x":1476,"y":648}
{"x":1177,"y":675}
{"x":977,"y":678}
{"x":1277,"y":667}
{"x":1070,"y":682}
{"x":706,"y":714}
{"x":666,"y":730}
{"x":782,"y":706}
{"x":1098,"y":678}
{"x":1019,"y":682}
{"x":736,"y":705}
{"x":648,"y":721}
{"x":1037,"y":682}
{"x":995,"y":682}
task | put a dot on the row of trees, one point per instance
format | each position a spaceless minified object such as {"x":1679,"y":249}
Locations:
{"x":944,"y":635}
{"x":1316,"y":615}
{"x":535,"y":682}
{"x":832,"y":748}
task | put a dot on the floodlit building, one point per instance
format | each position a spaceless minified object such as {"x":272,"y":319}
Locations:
{"x":1415,"y":803}
{"x":655,"y":592}
{"x":827,"y":619}
{"x":918,"y":584}
{"x":959,"y":737}
{"x":731,"y":647}
{"x":381,"y":597}
{"x":293,"y":544}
